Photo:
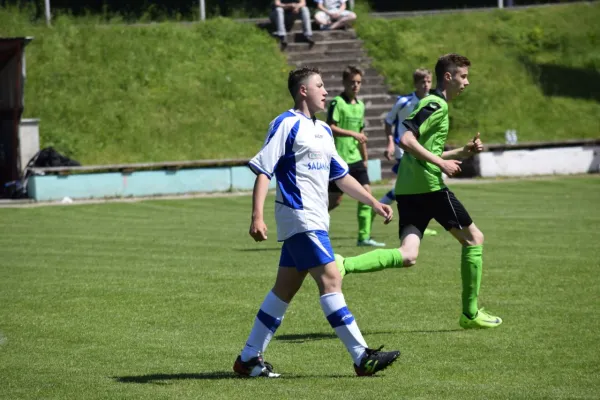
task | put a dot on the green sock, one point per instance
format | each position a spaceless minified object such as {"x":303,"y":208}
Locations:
{"x":471,"y":265}
{"x":375,"y":260}
{"x":364,"y":221}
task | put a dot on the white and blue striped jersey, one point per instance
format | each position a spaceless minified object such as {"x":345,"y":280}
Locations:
{"x":402,"y":109}
{"x":300,"y":153}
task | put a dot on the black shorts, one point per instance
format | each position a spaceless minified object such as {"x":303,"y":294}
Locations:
{"x":358,"y":171}
{"x":442,"y":205}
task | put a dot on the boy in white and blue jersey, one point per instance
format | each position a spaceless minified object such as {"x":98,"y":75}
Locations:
{"x":394,"y":129}
{"x":300,"y":153}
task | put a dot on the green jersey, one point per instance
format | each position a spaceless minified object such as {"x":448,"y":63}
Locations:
{"x":429,"y":122}
{"x":351,"y":117}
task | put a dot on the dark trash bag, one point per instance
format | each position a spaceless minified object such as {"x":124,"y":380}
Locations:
{"x":47,"y":157}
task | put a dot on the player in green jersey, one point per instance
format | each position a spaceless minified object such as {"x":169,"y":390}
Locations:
{"x":422,"y":195}
{"x":346,"y":116}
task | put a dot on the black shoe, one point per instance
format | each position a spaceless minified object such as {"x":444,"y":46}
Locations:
{"x":374,"y":361}
{"x":254,"y":368}
{"x":310,"y":41}
{"x":283,"y":42}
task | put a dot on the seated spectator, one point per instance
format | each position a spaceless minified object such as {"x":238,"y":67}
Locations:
{"x":333,"y":14}
{"x":284,"y":13}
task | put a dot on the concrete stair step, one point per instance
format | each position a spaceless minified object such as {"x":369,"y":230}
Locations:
{"x":372,"y":121}
{"x":375,"y":129}
{"x":376,"y":147}
{"x":324,"y":46}
{"x":377,"y":141}
{"x":335,"y":63}
{"x":332,"y":73}
{"x":333,"y":51}
{"x":377,"y":110}
{"x":365,"y":90}
{"x":265,"y":23}
{"x":334,"y":87}
{"x":296,"y":36}
{"x":327,"y":54}
{"x":373,"y":113}
{"x":377,"y":98}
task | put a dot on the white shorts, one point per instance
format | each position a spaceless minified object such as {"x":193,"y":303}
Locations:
{"x":322,"y":16}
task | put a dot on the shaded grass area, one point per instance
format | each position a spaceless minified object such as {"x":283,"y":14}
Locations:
{"x":535,"y":70}
{"x":155,"y":299}
{"x":112,"y":93}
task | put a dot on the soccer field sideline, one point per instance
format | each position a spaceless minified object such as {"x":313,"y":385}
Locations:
{"x":29,"y":203}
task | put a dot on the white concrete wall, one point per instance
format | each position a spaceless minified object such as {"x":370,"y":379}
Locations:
{"x":150,"y":183}
{"x":559,"y":161}
{"x":29,"y":141}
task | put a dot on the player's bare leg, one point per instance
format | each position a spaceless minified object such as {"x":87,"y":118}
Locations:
{"x":288,"y":282}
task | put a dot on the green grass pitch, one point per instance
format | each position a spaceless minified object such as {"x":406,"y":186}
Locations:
{"x":154,"y":300}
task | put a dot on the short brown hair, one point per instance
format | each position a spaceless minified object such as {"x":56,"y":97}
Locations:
{"x":350,"y":71}
{"x":420,"y":74}
{"x":299,"y":76}
{"x":449,"y":63}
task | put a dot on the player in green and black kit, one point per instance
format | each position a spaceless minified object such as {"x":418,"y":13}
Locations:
{"x":346,"y":116}
{"x":422,"y":195}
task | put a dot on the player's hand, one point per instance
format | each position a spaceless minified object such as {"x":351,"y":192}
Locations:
{"x":258,"y":230}
{"x":474,"y":146}
{"x":450,"y":167}
{"x":366,"y":164}
{"x":334,"y":15}
{"x":295,"y":9}
{"x":385,"y":211}
{"x":361,"y":137}
{"x":389,"y":152}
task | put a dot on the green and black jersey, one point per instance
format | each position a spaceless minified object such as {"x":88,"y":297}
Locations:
{"x":430,"y":123}
{"x":351,"y":117}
